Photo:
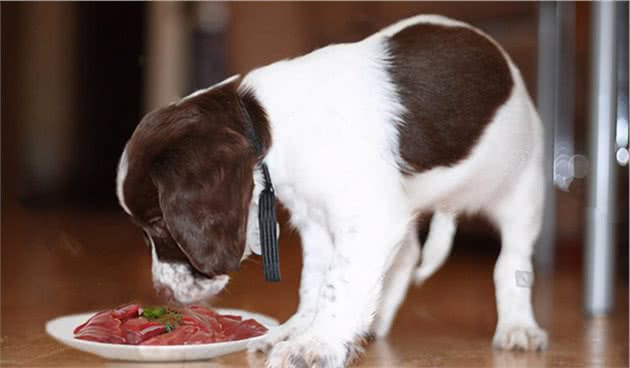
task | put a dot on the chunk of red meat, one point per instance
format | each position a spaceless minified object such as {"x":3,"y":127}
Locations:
{"x":229,"y":324}
{"x":175,"y":337}
{"x":200,"y":337}
{"x":231,"y":317}
{"x":207,"y":322}
{"x":183,"y":335}
{"x":102,"y":328}
{"x":127,"y":311}
{"x":243,"y":330}
{"x":97,"y":315}
{"x":136,"y":330}
{"x":204,"y":311}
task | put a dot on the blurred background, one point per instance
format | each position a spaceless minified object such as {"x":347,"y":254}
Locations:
{"x":77,"y":78}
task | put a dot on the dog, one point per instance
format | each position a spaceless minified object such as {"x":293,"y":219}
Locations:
{"x":427,"y":115}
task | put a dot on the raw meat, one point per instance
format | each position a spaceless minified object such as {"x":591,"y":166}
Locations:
{"x":133,"y":325}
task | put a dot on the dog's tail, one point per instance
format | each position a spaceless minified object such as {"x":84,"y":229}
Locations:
{"x":437,"y":246}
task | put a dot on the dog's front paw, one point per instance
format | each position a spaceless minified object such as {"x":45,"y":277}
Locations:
{"x":276,"y":335}
{"x":526,"y":338}
{"x":293,"y":326}
{"x":310,"y":351}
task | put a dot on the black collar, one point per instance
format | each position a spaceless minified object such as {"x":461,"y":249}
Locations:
{"x":266,"y":205}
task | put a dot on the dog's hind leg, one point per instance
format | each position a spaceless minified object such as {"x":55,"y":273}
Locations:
{"x":518,"y":214}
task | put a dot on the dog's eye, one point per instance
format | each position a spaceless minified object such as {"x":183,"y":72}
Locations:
{"x":147,"y":239}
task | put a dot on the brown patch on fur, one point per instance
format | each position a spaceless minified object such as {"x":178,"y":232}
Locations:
{"x":451,"y":80}
{"x":189,"y":180}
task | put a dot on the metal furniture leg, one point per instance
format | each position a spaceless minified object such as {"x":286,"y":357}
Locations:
{"x":600,"y":235}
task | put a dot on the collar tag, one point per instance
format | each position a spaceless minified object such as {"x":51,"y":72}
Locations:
{"x":267,"y":225}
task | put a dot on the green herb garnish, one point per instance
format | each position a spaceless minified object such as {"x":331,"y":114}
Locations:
{"x":153,"y":312}
{"x":168,"y":327}
{"x":168,"y":317}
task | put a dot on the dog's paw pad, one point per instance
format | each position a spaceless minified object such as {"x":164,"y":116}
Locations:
{"x":528,"y":338}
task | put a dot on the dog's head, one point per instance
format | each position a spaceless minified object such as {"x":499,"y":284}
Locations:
{"x":186,"y":177}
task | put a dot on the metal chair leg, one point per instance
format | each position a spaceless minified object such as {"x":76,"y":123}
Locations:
{"x":600,"y":232}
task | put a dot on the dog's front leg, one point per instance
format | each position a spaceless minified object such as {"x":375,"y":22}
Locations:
{"x":317,"y":250}
{"x":347,"y":298}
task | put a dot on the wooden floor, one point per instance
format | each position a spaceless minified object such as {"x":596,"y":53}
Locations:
{"x":56,"y":263}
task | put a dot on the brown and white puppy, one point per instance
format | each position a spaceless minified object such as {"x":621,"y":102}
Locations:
{"x":429,"y":114}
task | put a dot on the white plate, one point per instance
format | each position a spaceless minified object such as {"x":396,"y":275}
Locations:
{"x":62,"y":330}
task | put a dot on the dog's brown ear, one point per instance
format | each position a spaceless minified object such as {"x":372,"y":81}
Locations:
{"x":204,"y":181}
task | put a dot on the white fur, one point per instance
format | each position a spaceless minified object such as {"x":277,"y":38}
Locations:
{"x":120,"y":180}
{"x":437,"y":246}
{"x":253,"y":232}
{"x":334,"y":163}
{"x":204,"y":90}
{"x":181,"y":283}
{"x":421,"y":19}
{"x":396,"y":282}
